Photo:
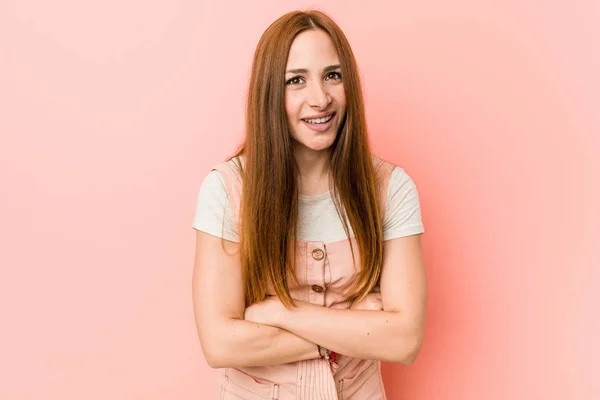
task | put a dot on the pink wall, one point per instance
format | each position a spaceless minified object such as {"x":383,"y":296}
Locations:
{"x":112,"y":112}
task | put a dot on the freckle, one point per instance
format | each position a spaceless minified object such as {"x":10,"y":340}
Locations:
{"x":386,"y":321}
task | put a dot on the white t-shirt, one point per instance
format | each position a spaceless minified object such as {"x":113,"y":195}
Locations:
{"x":317,"y":217}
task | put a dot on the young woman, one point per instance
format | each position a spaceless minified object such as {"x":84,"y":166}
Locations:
{"x":308,"y":268}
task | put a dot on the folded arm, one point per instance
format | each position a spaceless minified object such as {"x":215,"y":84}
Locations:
{"x":394,"y":334}
{"x":228,"y":340}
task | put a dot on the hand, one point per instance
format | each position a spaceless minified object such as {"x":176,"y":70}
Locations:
{"x":371,"y":303}
{"x":266,"y":312}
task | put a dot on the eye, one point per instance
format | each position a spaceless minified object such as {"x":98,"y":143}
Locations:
{"x":336,"y":75}
{"x":294,"y":81}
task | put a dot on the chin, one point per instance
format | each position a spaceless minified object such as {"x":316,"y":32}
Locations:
{"x":319,"y":143}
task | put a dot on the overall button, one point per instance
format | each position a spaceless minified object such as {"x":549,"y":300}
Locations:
{"x":318,"y":254}
{"x":317,"y":288}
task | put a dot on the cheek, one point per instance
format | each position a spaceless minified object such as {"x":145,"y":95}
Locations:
{"x":340,"y":96}
{"x":292,"y":107}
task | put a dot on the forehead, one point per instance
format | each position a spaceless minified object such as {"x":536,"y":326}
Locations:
{"x":312,"y":49}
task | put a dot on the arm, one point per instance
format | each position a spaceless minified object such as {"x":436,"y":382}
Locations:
{"x":394,"y":334}
{"x":228,"y":340}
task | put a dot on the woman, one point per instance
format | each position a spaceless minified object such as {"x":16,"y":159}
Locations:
{"x":308,"y":268}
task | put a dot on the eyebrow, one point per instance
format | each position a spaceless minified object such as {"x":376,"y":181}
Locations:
{"x":305,"y":71}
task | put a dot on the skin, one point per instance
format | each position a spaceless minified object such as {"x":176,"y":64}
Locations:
{"x":267,"y":333}
{"x":393,"y":334}
{"x":315,"y":90}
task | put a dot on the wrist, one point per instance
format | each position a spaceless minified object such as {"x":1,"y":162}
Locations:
{"x":327,"y":354}
{"x":318,"y":349}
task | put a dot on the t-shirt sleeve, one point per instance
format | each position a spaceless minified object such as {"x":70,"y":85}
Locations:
{"x":213,"y":211}
{"x":403,"y":210}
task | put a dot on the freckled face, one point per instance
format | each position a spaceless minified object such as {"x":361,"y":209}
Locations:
{"x":315,"y":101}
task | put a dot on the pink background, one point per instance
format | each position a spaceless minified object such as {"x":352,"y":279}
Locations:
{"x":112,"y":112}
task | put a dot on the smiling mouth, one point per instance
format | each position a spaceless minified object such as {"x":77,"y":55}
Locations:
{"x":319,"y":121}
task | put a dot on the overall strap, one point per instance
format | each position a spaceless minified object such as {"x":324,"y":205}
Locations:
{"x":233,"y":186}
{"x":383,"y":173}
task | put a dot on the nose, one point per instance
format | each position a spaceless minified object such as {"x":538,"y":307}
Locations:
{"x":318,"y":96}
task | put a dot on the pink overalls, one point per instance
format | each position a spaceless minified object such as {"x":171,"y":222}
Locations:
{"x":325,"y":272}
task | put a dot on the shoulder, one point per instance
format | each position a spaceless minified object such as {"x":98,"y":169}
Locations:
{"x":235,"y":163}
{"x":213,"y":213}
{"x":217,"y":185}
{"x":230,"y":171}
{"x":383,"y":168}
{"x":212,"y":194}
{"x":399,"y":178}
{"x":403,"y":208}
{"x":212,"y":183}
{"x":396,"y":174}
{"x":379,"y":162}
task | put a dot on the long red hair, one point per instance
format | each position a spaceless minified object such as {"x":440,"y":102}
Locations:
{"x":269,"y":204}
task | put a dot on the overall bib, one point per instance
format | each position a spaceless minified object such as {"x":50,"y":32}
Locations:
{"x":325,"y":272}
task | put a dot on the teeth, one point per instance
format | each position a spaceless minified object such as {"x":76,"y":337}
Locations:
{"x":319,"y":120}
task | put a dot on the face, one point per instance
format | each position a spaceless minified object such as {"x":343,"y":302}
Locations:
{"x":315,"y":102}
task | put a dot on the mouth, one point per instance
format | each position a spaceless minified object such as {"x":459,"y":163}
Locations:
{"x":319,"y":121}
{"x":321,"y":124}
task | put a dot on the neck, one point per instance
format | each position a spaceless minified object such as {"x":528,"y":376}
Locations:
{"x":314,"y":168}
